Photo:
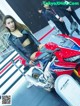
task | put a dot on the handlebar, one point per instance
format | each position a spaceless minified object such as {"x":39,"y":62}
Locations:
{"x":43,"y":49}
{"x":46,"y":56}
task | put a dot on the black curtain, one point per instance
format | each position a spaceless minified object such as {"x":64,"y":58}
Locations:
{"x":27,"y":11}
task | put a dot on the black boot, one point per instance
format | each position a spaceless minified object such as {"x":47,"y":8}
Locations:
{"x":78,"y":32}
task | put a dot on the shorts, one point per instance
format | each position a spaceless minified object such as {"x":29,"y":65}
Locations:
{"x":30,"y":49}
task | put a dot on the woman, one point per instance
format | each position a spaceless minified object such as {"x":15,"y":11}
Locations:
{"x":21,"y":39}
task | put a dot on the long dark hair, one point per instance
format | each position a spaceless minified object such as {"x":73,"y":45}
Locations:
{"x":17,"y":24}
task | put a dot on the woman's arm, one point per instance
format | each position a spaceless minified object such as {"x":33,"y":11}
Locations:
{"x":18,"y":50}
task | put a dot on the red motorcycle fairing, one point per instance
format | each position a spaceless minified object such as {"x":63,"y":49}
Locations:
{"x":66,"y":53}
{"x":49,"y":46}
{"x":63,"y":68}
{"x":73,"y":39}
{"x":63,"y":53}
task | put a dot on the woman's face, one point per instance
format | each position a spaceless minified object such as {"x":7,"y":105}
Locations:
{"x":10,"y":24}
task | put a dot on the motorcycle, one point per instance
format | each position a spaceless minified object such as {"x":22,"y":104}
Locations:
{"x":70,"y":42}
{"x":48,"y":69}
{"x":62,"y":54}
{"x":65,"y":58}
{"x":44,"y":77}
{"x":67,"y":41}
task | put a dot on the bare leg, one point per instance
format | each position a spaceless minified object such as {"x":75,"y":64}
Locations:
{"x":32,"y":57}
{"x":40,"y":46}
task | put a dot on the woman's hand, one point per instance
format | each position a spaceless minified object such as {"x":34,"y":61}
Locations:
{"x":40,"y":46}
{"x":31,"y":62}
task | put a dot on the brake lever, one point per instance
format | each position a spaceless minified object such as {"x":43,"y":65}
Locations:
{"x":44,"y":54}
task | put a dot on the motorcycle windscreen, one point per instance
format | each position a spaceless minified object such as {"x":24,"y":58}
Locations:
{"x":68,"y":89}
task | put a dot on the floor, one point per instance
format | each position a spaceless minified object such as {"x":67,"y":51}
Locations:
{"x":35,"y":96}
